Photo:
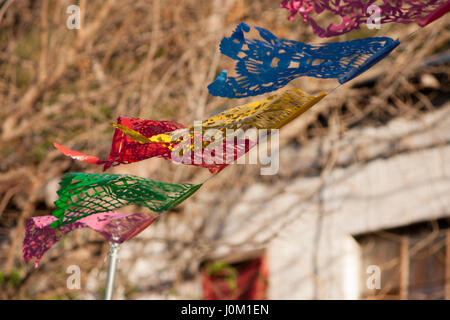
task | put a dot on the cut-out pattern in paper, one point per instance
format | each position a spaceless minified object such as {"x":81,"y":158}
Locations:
{"x":269,"y":64}
{"x":125,"y":150}
{"x":164,"y":138}
{"x":83,"y":194}
{"x":136,"y":140}
{"x":442,"y":10}
{"x":271,"y":113}
{"x":225,"y":153}
{"x":214,"y":156}
{"x":355,"y":13}
{"x":113,"y":226}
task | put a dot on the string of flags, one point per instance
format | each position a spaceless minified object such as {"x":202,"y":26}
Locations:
{"x":265,"y":66}
{"x":88,"y":200}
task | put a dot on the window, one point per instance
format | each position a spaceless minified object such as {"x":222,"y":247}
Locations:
{"x":243,"y":280}
{"x":414,"y":261}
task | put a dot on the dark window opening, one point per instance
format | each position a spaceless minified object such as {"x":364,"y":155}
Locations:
{"x":414,"y":261}
{"x":243,"y":280}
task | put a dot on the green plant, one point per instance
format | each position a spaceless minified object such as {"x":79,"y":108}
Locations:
{"x":225,"y":271}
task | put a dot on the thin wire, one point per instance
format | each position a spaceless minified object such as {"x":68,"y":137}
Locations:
{"x":332,"y":90}
{"x":409,"y":36}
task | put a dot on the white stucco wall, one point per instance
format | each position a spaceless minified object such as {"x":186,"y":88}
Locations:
{"x":385,"y":193}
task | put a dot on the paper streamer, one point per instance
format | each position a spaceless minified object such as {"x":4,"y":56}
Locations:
{"x":136,"y":140}
{"x":125,"y":150}
{"x":213,"y":156}
{"x":271,"y":113}
{"x":113,"y":226}
{"x":265,"y":66}
{"x":165,"y":139}
{"x":442,"y":10}
{"x":355,"y":13}
{"x":83,"y":194}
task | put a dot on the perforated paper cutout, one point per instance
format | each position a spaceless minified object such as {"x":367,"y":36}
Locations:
{"x":271,"y":113}
{"x":269,"y":64}
{"x":136,"y":140}
{"x":83,"y":194}
{"x":125,"y":150}
{"x":113,"y":226}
